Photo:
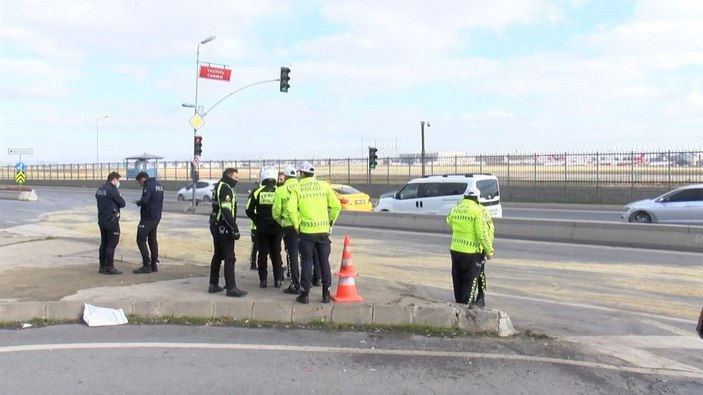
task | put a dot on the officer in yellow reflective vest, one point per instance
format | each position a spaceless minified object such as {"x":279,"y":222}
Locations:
{"x":224,"y":231}
{"x":290,"y":236}
{"x":268,"y":231}
{"x":481,"y":294}
{"x":469,"y":242}
{"x":313,"y":207}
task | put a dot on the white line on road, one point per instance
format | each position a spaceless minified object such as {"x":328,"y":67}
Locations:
{"x":345,"y":350}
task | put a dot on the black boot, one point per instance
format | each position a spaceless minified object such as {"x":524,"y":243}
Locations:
{"x":326,"y":295}
{"x":263,"y":284}
{"x":277,"y":283}
{"x":144,"y":269}
{"x":111,"y":270}
{"x":213,"y":288}
{"x":292,"y":289}
{"x":236,"y":292}
{"x":303,"y":298}
{"x":480,"y":301}
{"x":155,"y":266}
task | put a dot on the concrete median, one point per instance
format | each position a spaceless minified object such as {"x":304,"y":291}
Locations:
{"x":18,"y":193}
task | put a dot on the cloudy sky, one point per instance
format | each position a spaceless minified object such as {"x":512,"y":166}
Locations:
{"x":490,"y":76}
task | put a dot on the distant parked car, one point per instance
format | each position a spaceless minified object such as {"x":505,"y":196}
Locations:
{"x":351,"y":198}
{"x":683,"y":205}
{"x":203,"y":191}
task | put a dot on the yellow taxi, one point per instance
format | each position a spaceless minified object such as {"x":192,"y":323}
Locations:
{"x":351,"y":198}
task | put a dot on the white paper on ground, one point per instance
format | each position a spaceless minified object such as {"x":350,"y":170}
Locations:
{"x":103,"y":316}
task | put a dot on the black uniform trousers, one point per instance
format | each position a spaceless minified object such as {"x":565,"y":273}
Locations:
{"x":269,"y":245}
{"x":146,"y":234}
{"x":465,"y":271}
{"x":308,"y":243}
{"x":109,"y":238}
{"x":223,"y":247}
{"x":290,"y":241}
{"x":254,"y":250}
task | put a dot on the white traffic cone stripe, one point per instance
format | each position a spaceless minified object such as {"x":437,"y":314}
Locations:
{"x":346,"y":281}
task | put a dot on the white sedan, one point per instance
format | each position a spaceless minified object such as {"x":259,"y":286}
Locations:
{"x":683,"y":205}
{"x":203,"y":191}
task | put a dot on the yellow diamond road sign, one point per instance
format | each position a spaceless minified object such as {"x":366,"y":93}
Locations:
{"x":197,"y":121}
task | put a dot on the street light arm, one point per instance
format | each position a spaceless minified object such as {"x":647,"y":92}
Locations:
{"x":238,"y":90}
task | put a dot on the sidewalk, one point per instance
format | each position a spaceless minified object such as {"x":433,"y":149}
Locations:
{"x":62,"y":275}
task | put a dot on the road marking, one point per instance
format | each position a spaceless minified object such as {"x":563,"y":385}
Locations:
{"x":671,"y":329}
{"x":593,"y":307}
{"x":632,"y":349}
{"x":668,"y":371}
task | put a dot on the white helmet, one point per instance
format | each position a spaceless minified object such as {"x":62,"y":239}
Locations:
{"x":473,"y":191}
{"x":289,"y":171}
{"x":268,"y":173}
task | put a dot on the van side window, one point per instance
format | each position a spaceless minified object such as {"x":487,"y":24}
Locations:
{"x":408,"y":192}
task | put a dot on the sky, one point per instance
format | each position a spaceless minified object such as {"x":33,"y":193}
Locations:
{"x":502,"y":76}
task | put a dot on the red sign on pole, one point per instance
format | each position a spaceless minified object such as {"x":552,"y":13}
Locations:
{"x":215,"y":73}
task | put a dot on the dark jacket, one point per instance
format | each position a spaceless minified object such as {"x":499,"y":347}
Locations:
{"x":224,"y":196}
{"x":260,"y":208}
{"x":109,"y":203}
{"x":152,"y":201}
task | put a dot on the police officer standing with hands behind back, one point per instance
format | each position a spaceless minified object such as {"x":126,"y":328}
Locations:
{"x":313,"y":207}
{"x":470,"y":241}
{"x":150,"y":207}
{"x":109,"y":204}
{"x":224,"y":231}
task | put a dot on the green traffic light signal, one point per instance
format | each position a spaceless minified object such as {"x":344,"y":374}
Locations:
{"x":284,"y":79}
{"x":373,"y":158}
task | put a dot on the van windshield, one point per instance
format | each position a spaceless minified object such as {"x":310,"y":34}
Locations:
{"x":489,"y":188}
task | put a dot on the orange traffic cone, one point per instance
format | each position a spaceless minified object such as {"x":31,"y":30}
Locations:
{"x":346,"y":288}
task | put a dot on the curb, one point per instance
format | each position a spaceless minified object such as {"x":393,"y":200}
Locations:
{"x":440,"y":315}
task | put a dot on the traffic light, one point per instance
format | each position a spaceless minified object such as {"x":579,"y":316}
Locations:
{"x":194,"y":173}
{"x":284,"y":79}
{"x":198,"y":146}
{"x":373,"y":158}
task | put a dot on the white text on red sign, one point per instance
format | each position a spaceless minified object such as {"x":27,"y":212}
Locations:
{"x":215,"y":73}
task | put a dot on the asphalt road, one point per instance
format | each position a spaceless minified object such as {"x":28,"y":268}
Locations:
{"x":74,"y":359}
{"x":621,"y":307}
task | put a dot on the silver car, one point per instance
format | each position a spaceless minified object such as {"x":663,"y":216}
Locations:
{"x":683,"y":205}
{"x":203,"y":191}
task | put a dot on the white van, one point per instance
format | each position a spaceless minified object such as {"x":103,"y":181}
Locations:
{"x":438,"y":194}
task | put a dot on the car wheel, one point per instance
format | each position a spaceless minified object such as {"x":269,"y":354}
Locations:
{"x":641,"y":217}
{"x":206,"y":199}
{"x":181,"y":198}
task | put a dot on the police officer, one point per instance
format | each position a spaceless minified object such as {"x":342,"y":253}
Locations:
{"x":268,"y":231}
{"x":150,"y":207}
{"x":109,"y":204}
{"x":224,"y":231}
{"x":313,"y":207}
{"x":469,"y":242}
{"x":254,"y":245}
{"x":480,"y":297}
{"x":290,"y":236}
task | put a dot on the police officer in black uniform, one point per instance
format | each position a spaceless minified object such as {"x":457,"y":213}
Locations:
{"x":268,"y":232}
{"x":109,"y":204}
{"x":150,"y":207}
{"x":224,"y":231}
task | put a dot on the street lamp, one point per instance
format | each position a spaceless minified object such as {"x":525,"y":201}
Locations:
{"x":97,"y":138}
{"x":195,"y":106}
{"x":422,"y":153}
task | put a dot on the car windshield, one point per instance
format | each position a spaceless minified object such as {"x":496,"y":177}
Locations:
{"x":346,"y":190}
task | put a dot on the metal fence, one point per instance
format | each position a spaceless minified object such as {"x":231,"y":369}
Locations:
{"x":633,"y":169}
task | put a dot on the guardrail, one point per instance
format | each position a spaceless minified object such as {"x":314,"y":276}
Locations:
{"x":652,"y":236}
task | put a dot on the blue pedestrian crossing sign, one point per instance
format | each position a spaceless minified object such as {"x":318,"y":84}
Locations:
{"x":19,"y":166}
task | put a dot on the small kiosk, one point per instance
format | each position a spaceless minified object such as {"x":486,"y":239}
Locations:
{"x":142,"y":162}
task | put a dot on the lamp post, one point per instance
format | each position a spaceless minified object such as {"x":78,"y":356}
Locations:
{"x":195,"y":110}
{"x":97,"y":138}
{"x":422,"y":153}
